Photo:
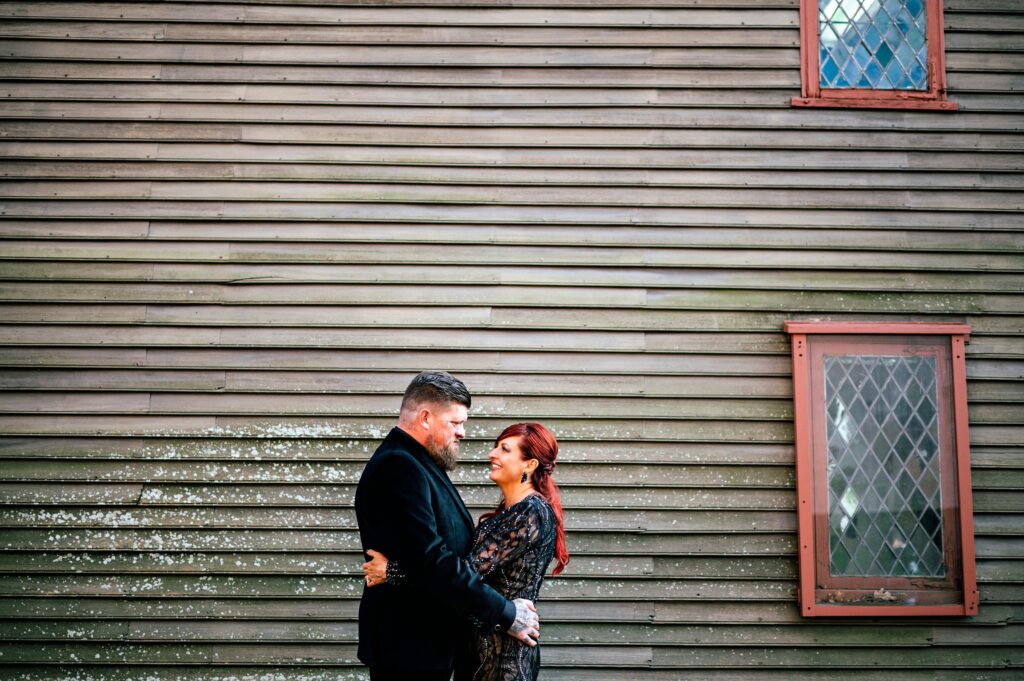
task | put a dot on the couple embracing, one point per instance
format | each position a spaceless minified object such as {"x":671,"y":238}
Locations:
{"x":441,"y":595}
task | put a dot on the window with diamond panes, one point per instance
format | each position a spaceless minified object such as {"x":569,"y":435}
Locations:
{"x":873,"y":53}
{"x":882,"y":434}
{"x":883,"y":470}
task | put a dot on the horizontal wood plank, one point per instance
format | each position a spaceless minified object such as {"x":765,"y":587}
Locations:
{"x":458,"y":175}
{"x":329,"y":586}
{"x":666,"y":119}
{"x":782,"y":53}
{"x":488,"y":136}
{"x":350,"y":449}
{"x":260,"y":37}
{"x":630,"y":291}
{"x":504,"y":16}
{"x":827,"y":243}
{"x":647,"y":157}
{"x":471,"y":471}
{"x":764,"y":260}
{"x":153,"y":209}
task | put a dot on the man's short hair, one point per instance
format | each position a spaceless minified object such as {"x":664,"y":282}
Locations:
{"x":435,"y":387}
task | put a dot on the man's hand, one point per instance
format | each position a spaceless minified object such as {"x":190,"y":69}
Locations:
{"x":526,"y":628}
{"x":376,"y":570}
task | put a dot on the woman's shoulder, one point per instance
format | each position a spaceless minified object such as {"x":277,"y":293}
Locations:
{"x":532,"y":509}
{"x":537,"y":506}
{"x":536,"y":501}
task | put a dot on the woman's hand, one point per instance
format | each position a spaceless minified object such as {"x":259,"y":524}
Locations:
{"x":375,"y":572}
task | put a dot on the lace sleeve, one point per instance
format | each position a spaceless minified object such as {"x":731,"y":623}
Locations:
{"x":394,"y":575}
{"x":508,"y":538}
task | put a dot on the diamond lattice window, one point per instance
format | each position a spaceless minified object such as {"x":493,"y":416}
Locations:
{"x":878,"y":44}
{"x":885,"y":501}
{"x":883,"y":469}
{"x":873,"y":54}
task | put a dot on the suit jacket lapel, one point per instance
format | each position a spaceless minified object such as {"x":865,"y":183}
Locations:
{"x":459,"y":503}
{"x":417,"y":450}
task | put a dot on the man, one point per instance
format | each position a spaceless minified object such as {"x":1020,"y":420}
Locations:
{"x":408,"y":509}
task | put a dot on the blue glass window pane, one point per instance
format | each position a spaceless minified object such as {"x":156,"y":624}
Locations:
{"x":862,"y":56}
{"x":851,"y":38}
{"x":829,"y":72}
{"x":851,"y":73}
{"x":894,"y":72}
{"x":906,"y":56}
{"x":883,"y":55}
{"x":874,"y":44}
{"x":905,"y":22}
{"x":883,"y":20}
{"x":918,"y":72}
{"x":873,"y":39}
{"x":916,"y":41}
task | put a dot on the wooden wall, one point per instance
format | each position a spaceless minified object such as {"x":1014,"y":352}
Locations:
{"x":233,"y":231}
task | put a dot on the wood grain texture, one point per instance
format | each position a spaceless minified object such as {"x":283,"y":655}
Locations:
{"x":232,"y":231}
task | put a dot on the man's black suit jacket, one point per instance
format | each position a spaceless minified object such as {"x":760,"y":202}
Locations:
{"x":408,"y":509}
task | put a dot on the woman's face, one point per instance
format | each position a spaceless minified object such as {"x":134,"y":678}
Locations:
{"x":507,"y":463}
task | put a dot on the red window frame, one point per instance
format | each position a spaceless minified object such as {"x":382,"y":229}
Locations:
{"x":816,"y":584}
{"x":812,"y":94}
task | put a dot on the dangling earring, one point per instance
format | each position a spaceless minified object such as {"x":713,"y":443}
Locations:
{"x":523,"y":479}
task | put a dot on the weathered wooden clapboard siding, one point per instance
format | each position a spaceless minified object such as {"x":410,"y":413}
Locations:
{"x":232,"y":232}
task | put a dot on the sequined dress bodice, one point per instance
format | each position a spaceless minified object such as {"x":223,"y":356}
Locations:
{"x":511,"y":551}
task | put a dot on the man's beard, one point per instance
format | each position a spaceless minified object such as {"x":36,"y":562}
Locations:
{"x":445,"y":456}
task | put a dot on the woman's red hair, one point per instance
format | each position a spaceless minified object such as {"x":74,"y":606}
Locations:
{"x":537,"y":442}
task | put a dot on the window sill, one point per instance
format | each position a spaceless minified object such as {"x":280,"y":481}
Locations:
{"x":870,"y":103}
{"x":819,"y":610}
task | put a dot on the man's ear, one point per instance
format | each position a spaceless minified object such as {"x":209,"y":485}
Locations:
{"x":423,"y":418}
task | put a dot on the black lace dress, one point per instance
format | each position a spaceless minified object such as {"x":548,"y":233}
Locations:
{"x":511,"y":551}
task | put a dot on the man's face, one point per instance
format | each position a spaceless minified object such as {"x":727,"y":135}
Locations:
{"x":447,"y":427}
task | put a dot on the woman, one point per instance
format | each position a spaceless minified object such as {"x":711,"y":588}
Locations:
{"x":512,"y":548}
